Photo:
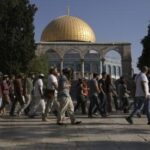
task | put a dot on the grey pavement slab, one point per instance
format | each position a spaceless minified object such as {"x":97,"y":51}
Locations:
{"x":112,"y":133}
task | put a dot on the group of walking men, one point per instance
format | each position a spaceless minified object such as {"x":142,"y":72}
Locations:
{"x":31,"y":93}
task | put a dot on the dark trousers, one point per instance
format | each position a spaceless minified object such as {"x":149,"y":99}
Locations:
{"x":18,"y":98}
{"x":147,"y":107}
{"x":103,"y":102}
{"x":94,"y":101}
{"x":116,"y":102}
{"x":51,"y":100}
{"x":125,"y":105}
{"x":139,"y":102}
{"x":81,"y":102}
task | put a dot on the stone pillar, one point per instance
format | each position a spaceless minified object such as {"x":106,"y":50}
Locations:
{"x":82,"y":68}
{"x":126,"y":61}
{"x":61,"y":64}
{"x":100,"y":66}
{"x":126,"y":67}
{"x":74,"y":75}
{"x":103,"y":64}
{"x":91,"y":69}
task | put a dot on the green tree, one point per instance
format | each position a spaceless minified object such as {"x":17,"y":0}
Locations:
{"x":17,"y":45}
{"x":144,"y":59}
{"x":39,"y":64}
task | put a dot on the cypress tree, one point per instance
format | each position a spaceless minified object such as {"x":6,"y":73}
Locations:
{"x":144,"y":59}
{"x":17,"y":45}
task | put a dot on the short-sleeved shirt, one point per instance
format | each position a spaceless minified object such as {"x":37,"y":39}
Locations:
{"x":62,"y":90}
{"x":38,"y":85}
{"x":52,"y":79}
{"x":93,"y":89}
{"x":18,"y":86}
{"x":79,"y":89}
{"x":138,"y":80}
{"x":102,"y":83}
{"x":122,"y":89}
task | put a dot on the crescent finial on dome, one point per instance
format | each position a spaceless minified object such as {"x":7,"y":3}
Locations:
{"x":68,"y":8}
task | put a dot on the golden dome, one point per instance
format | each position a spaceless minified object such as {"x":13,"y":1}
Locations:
{"x":68,"y":28}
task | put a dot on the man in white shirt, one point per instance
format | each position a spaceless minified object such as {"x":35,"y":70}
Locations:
{"x":38,"y":97}
{"x":52,"y":86}
{"x":142,"y":94}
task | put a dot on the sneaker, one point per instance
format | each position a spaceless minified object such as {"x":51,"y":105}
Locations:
{"x":18,"y":113}
{"x":138,"y":115}
{"x":55,"y":112}
{"x":31,"y":116}
{"x":129,"y":120}
{"x":84,"y":113}
{"x":104,"y":115}
{"x":60,"y":123}
{"x":126,"y":111}
{"x":45,"y":119}
{"x":12,"y":115}
{"x":90,"y":116}
{"x":76,"y":122}
{"x":95,"y":114}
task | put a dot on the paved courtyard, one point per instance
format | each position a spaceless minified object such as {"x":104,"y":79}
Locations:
{"x":112,"y":133}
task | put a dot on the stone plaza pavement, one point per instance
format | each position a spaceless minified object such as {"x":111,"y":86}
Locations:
{"x":112,"y":133}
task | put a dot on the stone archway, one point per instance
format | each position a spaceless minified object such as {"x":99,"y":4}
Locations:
{"x":124,"y":49}
{"x":112,"y":63}
{"x":92,"y":61}
{"x":71,"y":59}
{"x":126,"y":61}
{"x":54,"y":58}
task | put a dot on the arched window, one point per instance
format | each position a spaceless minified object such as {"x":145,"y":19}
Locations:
{"x":72,"y":60}
{"x":53,"y":58}
{"x":91,"y":61}
{"x":113,"y":58}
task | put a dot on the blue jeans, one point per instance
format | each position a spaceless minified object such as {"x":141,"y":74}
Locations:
{"x":139,"y":103}
{"x":103,"y":102}
{"x":147,"y":106}
{"x":94,"y":101}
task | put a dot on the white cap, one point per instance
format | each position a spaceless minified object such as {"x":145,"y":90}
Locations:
{"x":41,"y":75}
{"x":5,"y":76}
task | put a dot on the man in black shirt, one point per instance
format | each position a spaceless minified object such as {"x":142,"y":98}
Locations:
{"x":102,"y":94}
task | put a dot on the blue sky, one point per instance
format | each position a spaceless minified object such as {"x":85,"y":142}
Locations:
{"x":111,"y":20}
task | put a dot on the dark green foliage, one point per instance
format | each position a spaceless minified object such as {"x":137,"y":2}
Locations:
{"x":39,"y":64}
{"x":17,"y":46}
{"x":144,"y":59}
